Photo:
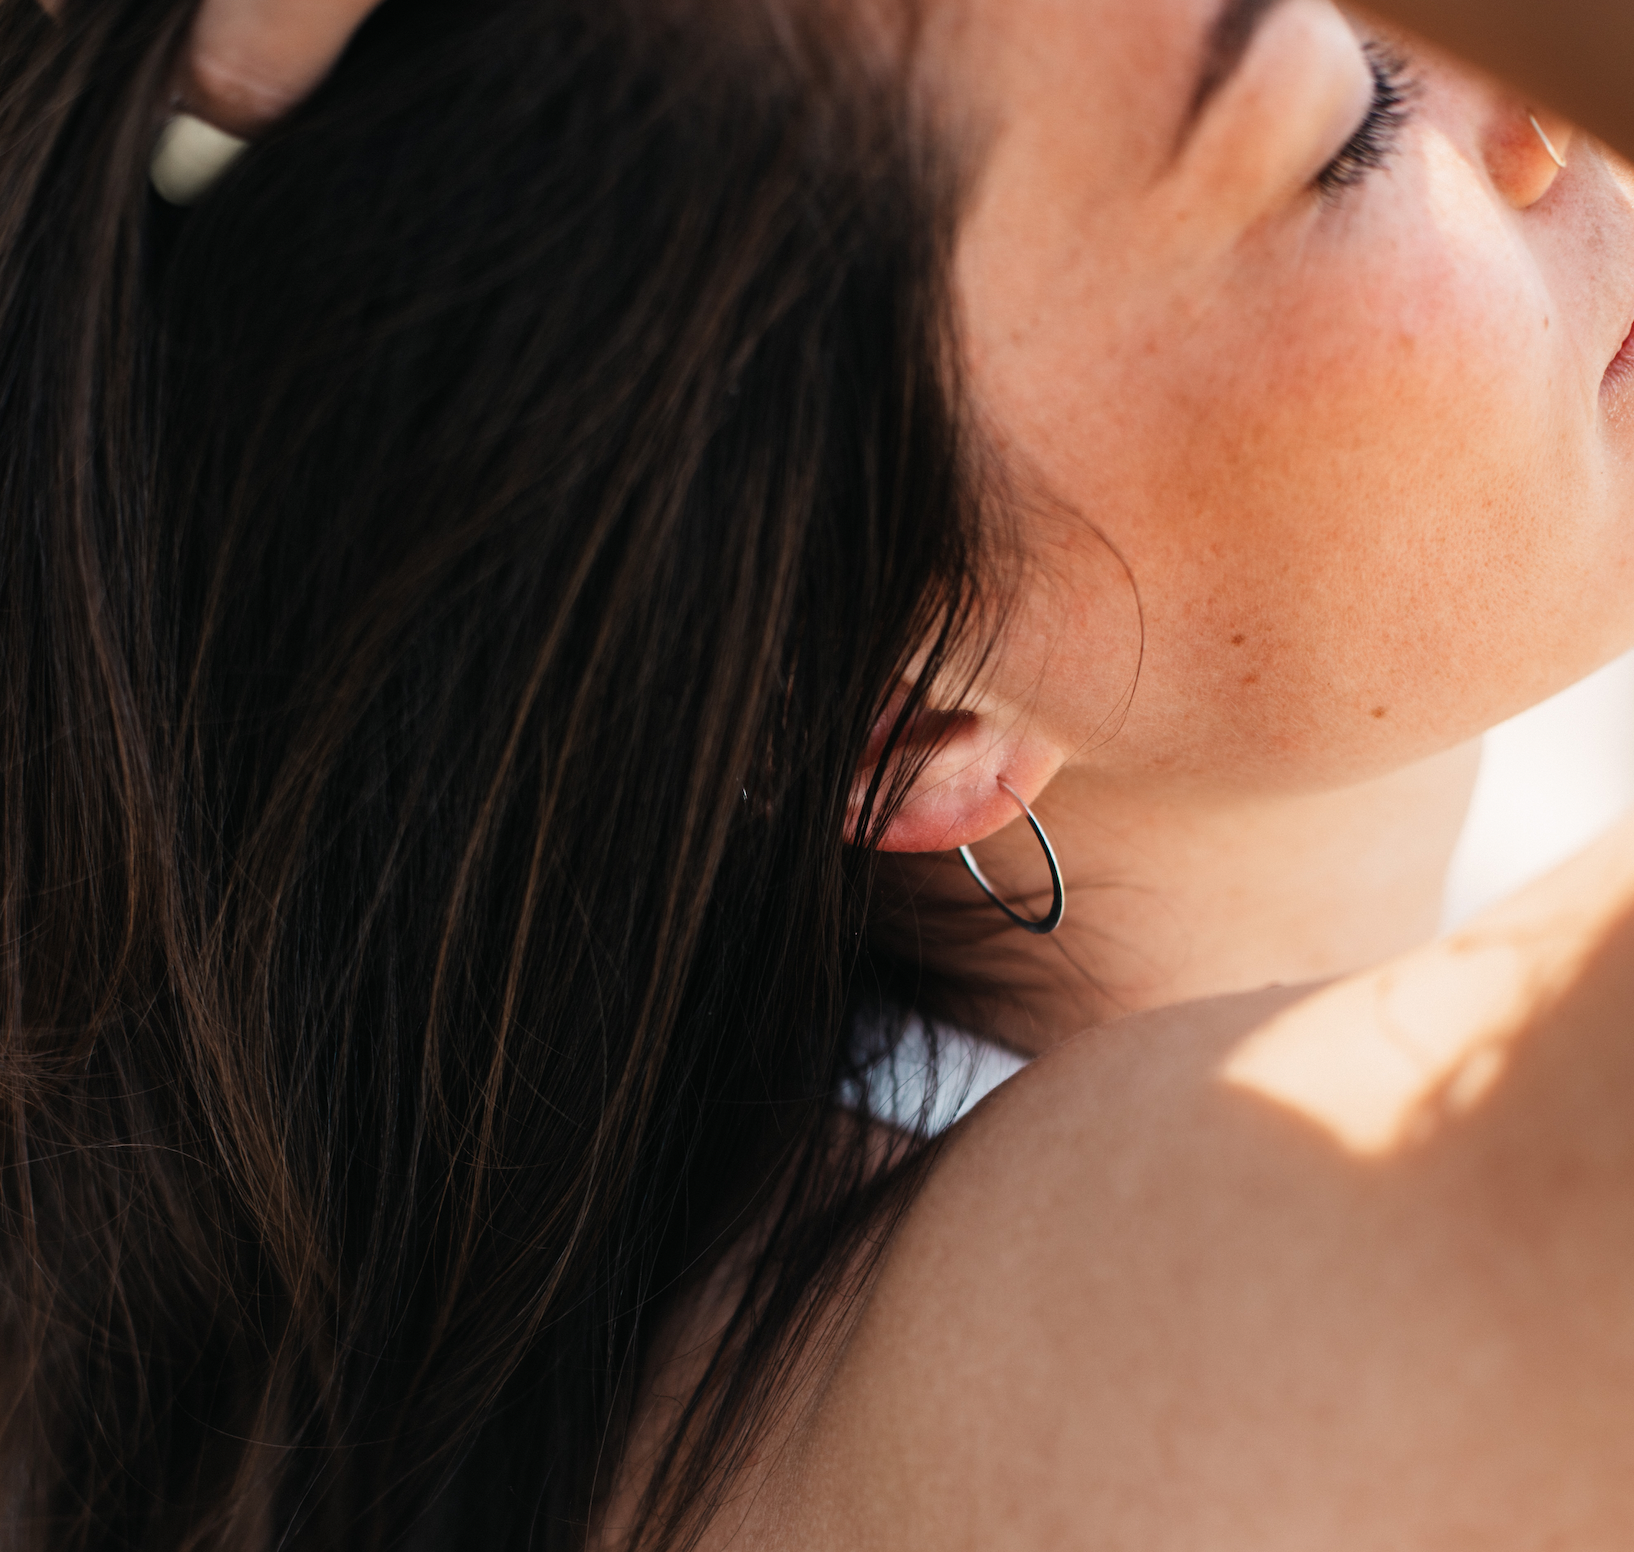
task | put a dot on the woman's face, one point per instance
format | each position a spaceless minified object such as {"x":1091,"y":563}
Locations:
{"x":1340,"y":380}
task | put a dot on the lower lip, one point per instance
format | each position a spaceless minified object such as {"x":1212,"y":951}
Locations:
{"x":1621,"y":370}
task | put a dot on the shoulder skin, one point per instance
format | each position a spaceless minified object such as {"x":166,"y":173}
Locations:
{"x":1349,"y":1269}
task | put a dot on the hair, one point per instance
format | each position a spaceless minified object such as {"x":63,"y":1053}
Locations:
{"x":449,"y":578}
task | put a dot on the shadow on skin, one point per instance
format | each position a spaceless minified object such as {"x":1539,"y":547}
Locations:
{"x":1344,"y":1269}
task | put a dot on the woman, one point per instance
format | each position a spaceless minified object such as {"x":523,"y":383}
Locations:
{"x":485,"y":582}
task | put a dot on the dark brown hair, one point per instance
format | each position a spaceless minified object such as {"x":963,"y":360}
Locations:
{"x":448,"y":580}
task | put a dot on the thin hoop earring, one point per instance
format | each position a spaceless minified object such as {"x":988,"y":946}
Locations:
{"x":1548,"y":144}
{"x":1058,"y":904}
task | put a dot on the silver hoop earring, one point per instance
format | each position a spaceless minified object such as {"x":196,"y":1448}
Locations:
{"x":1058,"y":904}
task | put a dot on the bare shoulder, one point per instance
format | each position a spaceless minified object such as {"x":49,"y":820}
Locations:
{"x":1352,"y":1271}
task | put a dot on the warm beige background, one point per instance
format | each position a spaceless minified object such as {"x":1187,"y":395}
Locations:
{"x":1551,"y":780}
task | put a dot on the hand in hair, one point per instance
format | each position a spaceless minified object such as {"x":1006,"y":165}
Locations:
{"x":250,"y":61}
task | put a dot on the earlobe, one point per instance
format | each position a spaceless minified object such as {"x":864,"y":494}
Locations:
{"x":965,"y":761}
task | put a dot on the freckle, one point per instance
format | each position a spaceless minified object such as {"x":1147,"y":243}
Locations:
{"x":1238,"y":640}
{"x":1378,"y":711}
{"x":1546,"y":320}
{"x":1251,"y":678}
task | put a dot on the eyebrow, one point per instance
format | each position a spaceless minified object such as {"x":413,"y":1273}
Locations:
{"x":1227,"y":42}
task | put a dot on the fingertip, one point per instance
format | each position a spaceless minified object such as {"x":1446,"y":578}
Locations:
{"x":233,"y":99}
{"x":250,"y":61}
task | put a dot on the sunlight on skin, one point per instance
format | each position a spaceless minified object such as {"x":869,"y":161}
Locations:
{"x":1378,"y":1060}
{"x":1381,"y":1061}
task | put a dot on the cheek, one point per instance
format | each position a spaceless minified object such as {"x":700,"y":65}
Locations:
{"x":1362,"y":514}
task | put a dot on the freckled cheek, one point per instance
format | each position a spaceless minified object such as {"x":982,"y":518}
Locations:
{"x":1431,"y":336}
{"x":1325,"y":468}
{"x":1380,"y":385}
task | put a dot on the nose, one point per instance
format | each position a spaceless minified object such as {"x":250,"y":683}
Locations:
{"x":1526,"y":148}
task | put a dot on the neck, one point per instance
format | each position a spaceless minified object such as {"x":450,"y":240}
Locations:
{"x":1174,"y":896}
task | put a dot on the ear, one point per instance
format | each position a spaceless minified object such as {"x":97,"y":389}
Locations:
{"x":962,"y":755}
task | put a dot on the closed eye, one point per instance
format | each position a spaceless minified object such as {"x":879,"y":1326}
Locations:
{"x":1376,"y":139}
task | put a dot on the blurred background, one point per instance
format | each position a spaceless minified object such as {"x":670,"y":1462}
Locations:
{"x":1551,"y":780}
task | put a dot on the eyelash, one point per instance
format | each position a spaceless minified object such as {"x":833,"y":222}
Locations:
{"x":1379,"y":134}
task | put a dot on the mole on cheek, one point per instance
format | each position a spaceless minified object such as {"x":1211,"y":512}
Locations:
{"x":1379,"y":711}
